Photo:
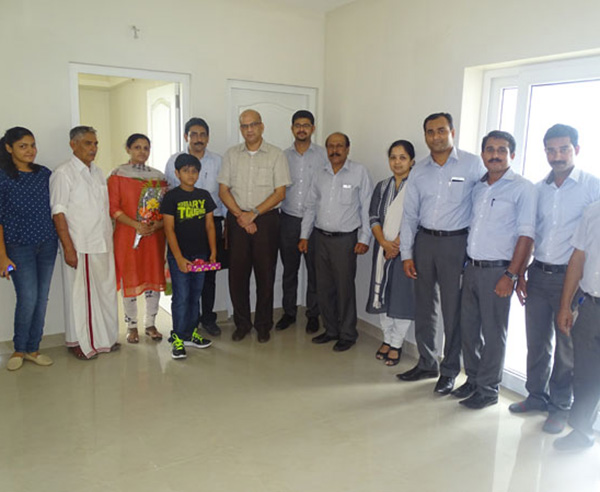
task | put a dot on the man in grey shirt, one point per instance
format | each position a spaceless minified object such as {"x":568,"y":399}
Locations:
{"x":437,"y":210}
{"x":338,"y":209}
{"x":304,"y":158}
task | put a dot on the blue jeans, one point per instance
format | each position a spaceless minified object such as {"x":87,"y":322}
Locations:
{"x":185,"y":308}
{"x":31,"y":278}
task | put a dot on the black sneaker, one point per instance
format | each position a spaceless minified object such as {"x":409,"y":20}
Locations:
{"x":212,"y":329}
{"x":177,"y":348}
{"x":197,"y":340}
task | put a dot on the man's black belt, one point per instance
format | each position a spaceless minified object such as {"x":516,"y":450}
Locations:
{"x":333,"y":234}
{"x":488,"y":264}
{"x":548,"y":268}
{"x":595,"y":300}
{"x":431,"y":232}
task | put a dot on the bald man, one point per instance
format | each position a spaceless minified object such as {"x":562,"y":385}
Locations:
{"x":252,"y":183}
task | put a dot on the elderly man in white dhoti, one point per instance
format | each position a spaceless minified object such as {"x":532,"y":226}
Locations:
{"x":79,"y":199}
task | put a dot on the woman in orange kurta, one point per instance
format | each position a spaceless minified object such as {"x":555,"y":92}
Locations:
{"x":139,"y":238}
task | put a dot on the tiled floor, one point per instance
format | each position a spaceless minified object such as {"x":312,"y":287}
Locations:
{"x":286,"y":416}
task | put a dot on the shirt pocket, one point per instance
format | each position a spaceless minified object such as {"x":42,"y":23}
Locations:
{"x":346,"y":194}
{"x":457,"y":190}
{"x":500,"y":209}
{"x":264,"y":177}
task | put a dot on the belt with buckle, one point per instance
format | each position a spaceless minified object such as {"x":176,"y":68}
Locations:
{"x":548,"y":268}
{"x":333,"y":234}
{"x":595,"y":300}
{"x":431,"y":232}
{"x":488,"y":264}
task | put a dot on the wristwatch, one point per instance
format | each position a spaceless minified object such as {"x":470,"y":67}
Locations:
{"x":513,"y":276}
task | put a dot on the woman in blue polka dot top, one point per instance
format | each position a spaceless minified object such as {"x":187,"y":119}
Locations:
{"x":28,"y":241}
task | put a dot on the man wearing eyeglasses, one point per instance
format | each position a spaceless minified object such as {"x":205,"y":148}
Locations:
{"x":252,"y":184}
{"x":562,"y":197}
{"x":304,"y":158}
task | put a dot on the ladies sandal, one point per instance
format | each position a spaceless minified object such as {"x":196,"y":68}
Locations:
{"x":380,"y":354}
{"x":132,"y":335}
{"x":392,"y":361}
{"x":153,"y":333}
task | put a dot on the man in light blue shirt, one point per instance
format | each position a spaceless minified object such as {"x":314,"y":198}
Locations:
{"x":338,"y":209}
{"x":562,"y":197}
{"x":304,"y":158}
{"x":437,"y":211}
{"x":197,"y":135}
{"x":498,"y":248}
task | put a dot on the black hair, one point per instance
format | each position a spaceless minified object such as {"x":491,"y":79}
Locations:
{"x":408,"y":147}
{"x":11,"y":136}
{"x":512,"y":144}
{"x":187,"y":160}
{"x":435,"y":116}
{"x":303,"y":113}
{"x":559,"y":130}
{"x":343,"y":135}
{"x":196,"y":122}
{"x":135,"y":136}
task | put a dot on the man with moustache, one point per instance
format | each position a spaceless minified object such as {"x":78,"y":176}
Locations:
{"x":433,"y":239}
{"x":337,"y":208}
{"x":498,"y":248}
{"x":304,"y":158}
{"x":79,"y":200}
{"x":197,"y":135}
{"x":562,"y":197}
{"x":252,"y":183}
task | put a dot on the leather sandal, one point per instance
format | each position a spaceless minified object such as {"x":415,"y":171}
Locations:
{"x":132,"y":335}
{"x":154,"y":334}
{"x":393,"y":361}
{"x":380,"y":354}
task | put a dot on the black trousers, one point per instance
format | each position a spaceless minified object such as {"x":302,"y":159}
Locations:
{"x":253,"y":252}
{"x":289,"y":237}
{"x":207,"y":300}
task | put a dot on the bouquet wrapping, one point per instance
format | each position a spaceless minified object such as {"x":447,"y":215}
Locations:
{"x":148,"y":210}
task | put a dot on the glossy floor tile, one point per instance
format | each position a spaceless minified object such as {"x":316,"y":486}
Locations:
{"x":285,"y":416}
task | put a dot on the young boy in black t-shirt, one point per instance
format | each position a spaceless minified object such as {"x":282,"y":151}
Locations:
{"x":190,"y":230}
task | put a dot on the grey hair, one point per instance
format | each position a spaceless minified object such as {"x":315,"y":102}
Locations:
{"x":79,"y":131}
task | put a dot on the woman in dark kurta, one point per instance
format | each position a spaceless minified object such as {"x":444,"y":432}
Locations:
{"x":392,"y":293}
{"x":139,"y":243}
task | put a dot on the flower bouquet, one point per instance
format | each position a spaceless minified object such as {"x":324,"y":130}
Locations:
{"x":148,"y":210}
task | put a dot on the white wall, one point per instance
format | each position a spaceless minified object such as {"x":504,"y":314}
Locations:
{"x":389,"y":64}
{"x":257,"y":40}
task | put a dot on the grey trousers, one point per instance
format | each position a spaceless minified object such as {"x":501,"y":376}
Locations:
{"x":439,"y":262}
{"x":484,"y":323}
{"x":335,"y":262}
{"x":549,"y":351}
{"x":586,"y":377}
{"x":289,"y":236}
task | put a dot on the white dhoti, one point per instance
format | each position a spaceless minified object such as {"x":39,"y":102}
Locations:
{"x":91,"y":303}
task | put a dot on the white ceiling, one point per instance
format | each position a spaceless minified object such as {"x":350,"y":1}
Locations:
{"x":319,"y":5}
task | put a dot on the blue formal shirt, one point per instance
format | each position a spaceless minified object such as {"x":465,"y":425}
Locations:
{"x":439,"y":197}
{"x":502,"y":212}
{"x":207,"y":180}
{"x":587,"y":238}
{"x":559,"y":211}
{"x":25,"y":214}
{"x":302,"y":168}
{"x":339,"y":202}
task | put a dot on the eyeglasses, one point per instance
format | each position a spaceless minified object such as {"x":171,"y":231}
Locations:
{"x":552,"y":151}
{"x":247,"y":126}
{"x":302,"y":126}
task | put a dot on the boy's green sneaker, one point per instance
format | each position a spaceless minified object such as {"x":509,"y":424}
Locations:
{"x":197,"y":341}
{"x":177,"y":347}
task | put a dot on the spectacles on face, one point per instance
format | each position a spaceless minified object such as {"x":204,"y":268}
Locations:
{"x":247,"y":126}
{"x":553,"y":151}
{"x":503,"y":151}
{"x":302,"y":126}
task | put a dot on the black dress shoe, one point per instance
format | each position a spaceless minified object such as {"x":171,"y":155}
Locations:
{"x":464,"y":391}
{"x":343,"y":345}
{"x":238,"y":335}
{"x":285,"y":322}
{"x":312,"y":326}
{"x":417,"y":373}
{"x":263,"y":337}
{"x":324,"y":338}
{"x":444,"y":385}
{"x":477,"y":401}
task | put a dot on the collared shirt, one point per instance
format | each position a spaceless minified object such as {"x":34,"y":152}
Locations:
{"x":339,"y":202}
{"x":558,"y":213}
{"x":81,"y":194}
{"x":502,"y":212}
{"x":587,"y":239}
{"x":252,"y":177}
{"x":439,"y":197}
{"x":207,"y":180}
{"x":302,"y":168}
